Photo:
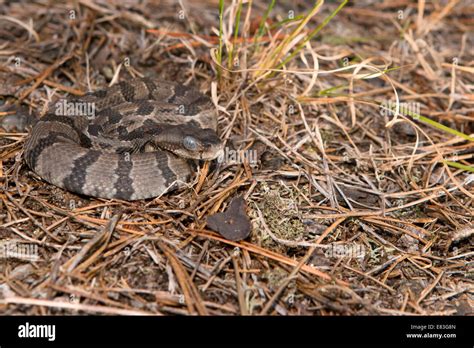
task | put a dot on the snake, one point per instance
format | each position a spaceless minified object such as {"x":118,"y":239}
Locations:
{"x":138,"y":139}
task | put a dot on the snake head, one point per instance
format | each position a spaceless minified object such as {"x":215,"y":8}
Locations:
{"x":191,"y":142}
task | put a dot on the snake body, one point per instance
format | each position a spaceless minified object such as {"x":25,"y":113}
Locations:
{"x":139,"y":142}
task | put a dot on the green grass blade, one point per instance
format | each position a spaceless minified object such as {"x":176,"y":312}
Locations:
{"x":435,"y":124}
{"x":230,"y":62}
{"x":329,"y":91}
{"x":459,"y":166}
{"x":261,"y":27}
{"x":221,"y":33}
{"x":285,"y":21}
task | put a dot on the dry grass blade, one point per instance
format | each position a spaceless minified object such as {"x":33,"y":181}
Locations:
{"x":100,"y":241}
{"x":191,"y":293}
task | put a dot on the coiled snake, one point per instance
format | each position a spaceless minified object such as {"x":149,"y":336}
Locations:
{"x":135,"y":141}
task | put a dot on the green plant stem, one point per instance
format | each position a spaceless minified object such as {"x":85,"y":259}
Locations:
{"x":221,"y":33}
{"x":459,"y":166}
{"x":236,"y":35}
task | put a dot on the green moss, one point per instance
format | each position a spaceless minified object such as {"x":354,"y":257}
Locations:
{"x":280,"y":211}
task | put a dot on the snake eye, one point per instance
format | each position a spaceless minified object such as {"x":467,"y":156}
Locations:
{"x":190,"y":143}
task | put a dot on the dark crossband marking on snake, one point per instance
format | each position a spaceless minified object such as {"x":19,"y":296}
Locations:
{"x":137,"y":142}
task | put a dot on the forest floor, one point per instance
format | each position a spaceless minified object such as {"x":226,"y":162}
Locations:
{"x":350,"y":140}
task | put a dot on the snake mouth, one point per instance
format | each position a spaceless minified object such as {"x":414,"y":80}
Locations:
{"x":205,"y":152}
